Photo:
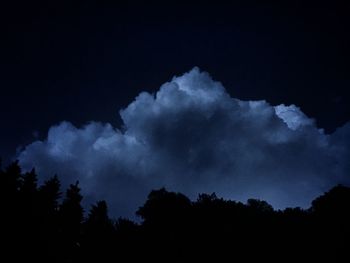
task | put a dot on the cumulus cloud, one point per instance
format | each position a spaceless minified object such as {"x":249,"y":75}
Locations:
{"x":192,"y":136}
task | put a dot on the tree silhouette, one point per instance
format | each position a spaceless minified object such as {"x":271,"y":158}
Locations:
{"x":130,"y":238}
{"x":10,"y":220}
{"x":48,"y":201}
{"x":70,"y":220}
{"x":99,"y":233}
{"x":259,"y":206}
{"x":28,"y":195}
{"x":334,"y":204}
{"x":37,"y":225}
{"x":29,"y":185}
{"x":165,"y":216}
{"x":11,"y":181}
{"x":29,"y":213}
{"x":331,"y":213}
{"x":50,"y":194}
{"x":163,"y":206}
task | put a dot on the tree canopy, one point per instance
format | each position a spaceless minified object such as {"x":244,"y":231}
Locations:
{"x":39,"y":223}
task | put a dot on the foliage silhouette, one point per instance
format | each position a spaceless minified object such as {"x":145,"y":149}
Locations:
{"x":70,"y":217}
{"x":38,"y":224}
{"x":99,"y":235}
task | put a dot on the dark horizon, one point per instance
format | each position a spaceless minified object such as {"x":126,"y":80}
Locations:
{"x":45,"y":225}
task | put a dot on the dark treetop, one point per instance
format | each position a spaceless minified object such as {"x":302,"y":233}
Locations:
{"x":38,"y":226}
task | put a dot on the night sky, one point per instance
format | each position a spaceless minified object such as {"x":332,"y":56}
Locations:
{"x":85,"y":61}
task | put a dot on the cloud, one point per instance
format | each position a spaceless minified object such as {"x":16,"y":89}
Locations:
{"x":192,"y":136}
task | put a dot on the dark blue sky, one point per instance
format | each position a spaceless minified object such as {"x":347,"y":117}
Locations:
{"x":85,"y":60}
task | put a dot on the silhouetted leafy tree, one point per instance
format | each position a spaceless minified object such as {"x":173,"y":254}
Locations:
{"x":165,"y":216}
{"x":331,"y":212}
{"x":163,"y":207}
{"x":259,"y":206}
{"x":334,"y":204}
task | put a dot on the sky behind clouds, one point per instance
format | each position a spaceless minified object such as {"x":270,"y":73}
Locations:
{"x":84,"y":60}
{"x":192,"y":136}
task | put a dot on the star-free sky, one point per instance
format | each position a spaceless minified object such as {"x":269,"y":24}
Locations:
{"x":280,"y":110}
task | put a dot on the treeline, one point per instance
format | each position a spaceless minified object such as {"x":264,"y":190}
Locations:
{"x":41,"y":224}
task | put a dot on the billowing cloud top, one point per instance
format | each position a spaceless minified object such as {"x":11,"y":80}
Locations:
{"x":191,"y":136}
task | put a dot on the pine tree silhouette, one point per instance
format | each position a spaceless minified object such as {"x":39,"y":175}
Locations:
{"x":29,"y":214}
{"x":49,"y":195}
{"x":70,"y":223}
{"x":99,"y":234}
{"x":10,"y":181}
